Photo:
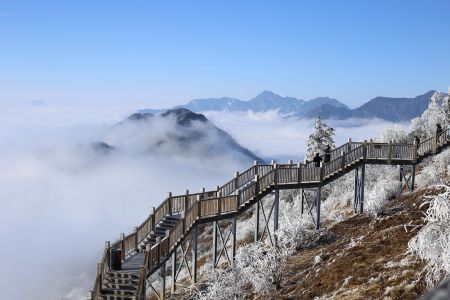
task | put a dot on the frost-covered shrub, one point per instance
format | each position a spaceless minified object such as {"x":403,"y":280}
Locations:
{"x":294,"y":228}
{"x":262,"y":268}
{"x":434,"y":169}
{"x":381,"y":185}
{"x":339,"y":195}
{"x":223,"y":285}
{"x":432,"y":241}
{"x":380,"y":193}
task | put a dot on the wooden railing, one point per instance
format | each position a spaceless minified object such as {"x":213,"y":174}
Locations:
{"x":247,"y":185}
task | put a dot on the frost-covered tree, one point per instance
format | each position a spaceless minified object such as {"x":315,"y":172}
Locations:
{"x":425,"y":125}
{"x":320,"y":138}
{"x":432,"y":241}
{"x":444,"y":100}
{"x":396,"y":133}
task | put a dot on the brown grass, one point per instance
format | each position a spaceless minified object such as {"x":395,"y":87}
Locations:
{"x":376,"y":267}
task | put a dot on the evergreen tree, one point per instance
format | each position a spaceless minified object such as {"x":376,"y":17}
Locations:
{"x":319,"y":139}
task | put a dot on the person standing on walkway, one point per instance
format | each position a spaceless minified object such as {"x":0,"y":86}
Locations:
{"x":317,"y":160}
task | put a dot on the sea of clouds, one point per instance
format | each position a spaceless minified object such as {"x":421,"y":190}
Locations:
{"x":273,"y":136}
{"x":61,"y":200}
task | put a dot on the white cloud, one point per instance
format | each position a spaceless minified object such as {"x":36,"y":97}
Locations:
{"x":61,"y":201}
{"x":273,"y":136}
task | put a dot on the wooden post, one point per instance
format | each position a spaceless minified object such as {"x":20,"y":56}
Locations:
{"x":363,"y":174}
{"x":318,"y":208}
{"x":389,"y":154}
{"x":370,"y":147}
{"x":219,"y":201}
{"x":302,"y":197}
{"x":364,"y":150}
{"x":174,"y":271}
{"x":194,"y":253}
{"x":413,"y":177}
{"x":290,"y":162}
{"x":142,"y":274}
{"x":321,"y":170}
{"x":100,"y":273}
{"x":356,"y":195}
{"x":169,"y":198}
{"x":162,"y":273}
{"x":183,"y":217}
{"x":256,"y":164}
{"x":214,"y":244}
{"x":414,"y":156}
{"x":107,"y":246}
{"x":299,"y":174}
{"x":153,"y":218}
{"x":275,"y":174}
{"x":135,"y":230}
{"x":256,"y":234}
{"x":148,"y":247}
{"x":186,"y":201}
{"x":236,"y":181}
{"x":275,"y":214}
{"x":343,"y":161}
{"x":122,"y":245}
{"x":234,"y":229}
{"x":199,"y":207}
{"x":349,"y":145}
{"x":238,"y":200}
{"x":203,"y":191}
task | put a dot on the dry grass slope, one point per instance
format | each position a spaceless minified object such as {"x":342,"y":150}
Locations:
{"x":366,"y":258}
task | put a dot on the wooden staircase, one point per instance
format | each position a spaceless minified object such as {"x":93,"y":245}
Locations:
{"x":124,"y":284}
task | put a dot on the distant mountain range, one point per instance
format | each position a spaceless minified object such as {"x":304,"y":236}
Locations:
{"x":179,"y":132}
{"x":391,"y":109}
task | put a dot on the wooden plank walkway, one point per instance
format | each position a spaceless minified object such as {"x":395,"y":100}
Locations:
{"x":152,"y":243}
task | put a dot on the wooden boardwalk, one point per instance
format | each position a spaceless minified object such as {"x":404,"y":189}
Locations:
{"x":175,"y":221}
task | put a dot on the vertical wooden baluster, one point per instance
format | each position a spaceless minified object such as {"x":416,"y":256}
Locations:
{"x":186,"y":201}
{"x":135,"y":230}
{"x":169,"y":198}
{"x":199,"y":207}
{"x":389,"y":156}
{"x":415,"y":152}
{"x":219,"y":194}
{"x":153,"y":219}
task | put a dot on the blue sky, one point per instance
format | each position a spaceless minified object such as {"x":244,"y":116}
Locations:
{"x":161,"y":53}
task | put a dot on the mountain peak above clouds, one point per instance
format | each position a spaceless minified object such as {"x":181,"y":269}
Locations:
{"x":172,"y":133}
{"x":391,"y":109}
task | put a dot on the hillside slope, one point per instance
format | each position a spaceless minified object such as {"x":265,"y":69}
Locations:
{"x":364,"y":258}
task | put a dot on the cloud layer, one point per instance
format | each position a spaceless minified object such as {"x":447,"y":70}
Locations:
{"x":270,"y":135}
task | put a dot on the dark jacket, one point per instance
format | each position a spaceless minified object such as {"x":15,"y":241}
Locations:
{"x":317,"y":160}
